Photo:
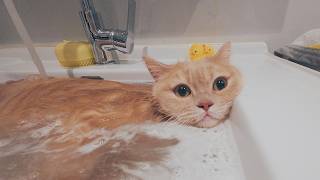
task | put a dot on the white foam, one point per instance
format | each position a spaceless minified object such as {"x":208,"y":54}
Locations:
{"x":201,"y":153}
{"x":45,"y":131}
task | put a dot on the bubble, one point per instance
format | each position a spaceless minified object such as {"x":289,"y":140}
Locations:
{"x":102,"y":141}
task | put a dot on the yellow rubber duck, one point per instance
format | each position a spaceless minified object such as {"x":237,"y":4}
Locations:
{"x":200,"y":51}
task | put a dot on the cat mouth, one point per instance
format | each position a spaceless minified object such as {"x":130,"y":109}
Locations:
{"x":207,"y":121}
{"x":206,"y":117}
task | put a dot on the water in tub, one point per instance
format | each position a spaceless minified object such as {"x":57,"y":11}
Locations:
{"x":149,"y":151}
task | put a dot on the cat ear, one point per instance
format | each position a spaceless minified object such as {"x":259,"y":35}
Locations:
{"x":156,"y":68}
{"x":223,"y":54}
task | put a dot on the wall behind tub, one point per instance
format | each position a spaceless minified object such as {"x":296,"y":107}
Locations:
{"x":277,"y":22}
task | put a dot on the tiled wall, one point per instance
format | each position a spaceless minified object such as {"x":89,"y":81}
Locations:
{"x":275,"y":21}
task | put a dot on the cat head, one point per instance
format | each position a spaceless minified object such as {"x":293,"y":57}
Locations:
{"x":197,"y":93}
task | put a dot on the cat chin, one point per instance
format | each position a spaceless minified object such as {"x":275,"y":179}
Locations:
{"x":207,"y":122}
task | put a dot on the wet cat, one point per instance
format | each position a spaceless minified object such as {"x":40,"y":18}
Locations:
{"x":198,"y":94}
{"x":67,"y":128}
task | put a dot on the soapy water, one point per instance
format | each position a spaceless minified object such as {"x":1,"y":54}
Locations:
{"x":150,"y":151}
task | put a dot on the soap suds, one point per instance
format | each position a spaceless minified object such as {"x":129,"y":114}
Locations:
{"x":187,"y":153}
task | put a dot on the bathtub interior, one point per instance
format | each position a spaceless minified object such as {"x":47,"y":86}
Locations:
{"x":272,"y":123}
{"x":275,"y":120}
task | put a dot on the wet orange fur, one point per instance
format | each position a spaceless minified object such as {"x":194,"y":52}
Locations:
{"x":82,"y":106}
{"x":92,"y":102}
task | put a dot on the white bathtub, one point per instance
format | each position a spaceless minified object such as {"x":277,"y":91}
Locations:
{"x":275,"y":121}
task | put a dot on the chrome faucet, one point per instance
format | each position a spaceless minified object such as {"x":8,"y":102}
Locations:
{"x":105,"y":42}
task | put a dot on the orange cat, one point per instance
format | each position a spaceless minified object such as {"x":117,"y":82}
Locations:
{"x":193,"y":93}
{"x":44,"y":123}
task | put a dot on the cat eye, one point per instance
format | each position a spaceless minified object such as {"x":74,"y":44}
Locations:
{"x":182,"y":90}
{"x":220,"y":83}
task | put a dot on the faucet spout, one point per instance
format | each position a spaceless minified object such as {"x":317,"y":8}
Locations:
{"x":105,"y":42}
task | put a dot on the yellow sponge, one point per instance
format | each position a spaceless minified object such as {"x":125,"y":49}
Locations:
{"x":314,"y":46}
{"x":200,"y":51}
{"x":74,"y":54}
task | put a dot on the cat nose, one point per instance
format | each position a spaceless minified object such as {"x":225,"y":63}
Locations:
{"x":205,"y":105}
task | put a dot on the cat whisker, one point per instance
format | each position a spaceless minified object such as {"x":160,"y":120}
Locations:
{"x":177,"y":120}
{"x":186,"y":120}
